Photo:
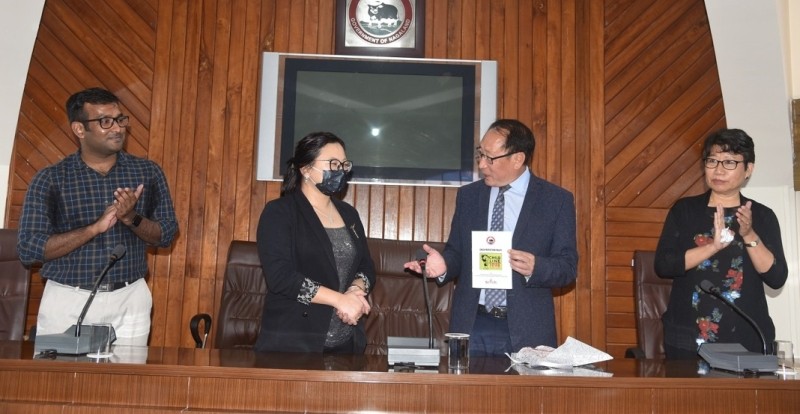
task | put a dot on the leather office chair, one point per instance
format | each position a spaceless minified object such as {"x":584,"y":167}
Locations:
{"x":14,"y":287}
{"x":397,"y":299}
{"x":242,"y":302}
{"x":652,"y":295}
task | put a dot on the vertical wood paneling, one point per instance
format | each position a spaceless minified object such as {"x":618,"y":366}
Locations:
{"x":590,"y":297}
{"x":172,"y":47}
{"x":618,"y":93}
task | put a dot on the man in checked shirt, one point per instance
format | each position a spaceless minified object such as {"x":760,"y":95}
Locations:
{"x":78,"y":210}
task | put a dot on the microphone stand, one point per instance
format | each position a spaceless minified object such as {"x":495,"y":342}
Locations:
{"x":73,"y":341}
{"x":734,"y":356}
{"x":427,"y":297}
{"x":96,"y":286}
{"x":715,"y":291}
{"x":413,"y":352}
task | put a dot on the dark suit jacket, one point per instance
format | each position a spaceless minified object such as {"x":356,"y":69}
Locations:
{"x":545,"y":228}
{"x":292,"y":246}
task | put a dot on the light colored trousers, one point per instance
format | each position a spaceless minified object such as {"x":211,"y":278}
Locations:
{"x":127,"y":309}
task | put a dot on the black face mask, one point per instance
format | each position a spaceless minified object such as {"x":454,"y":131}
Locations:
{"x":333,"y":182}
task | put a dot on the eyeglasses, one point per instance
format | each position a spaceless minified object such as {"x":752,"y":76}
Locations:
{"x":107,"y":122}
{"x":339,"y":165}
{"x":480,"y":155}
{"x":712,"y":163}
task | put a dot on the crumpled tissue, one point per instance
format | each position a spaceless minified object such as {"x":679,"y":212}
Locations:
{"x":573,"y":353}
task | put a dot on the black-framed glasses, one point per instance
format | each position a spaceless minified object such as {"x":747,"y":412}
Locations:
{"x":107,"y":122}
{"x":480,"y":155}
{"x":335,"y":164}
{"x":712,"y":163}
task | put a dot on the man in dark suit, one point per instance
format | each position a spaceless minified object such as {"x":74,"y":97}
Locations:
{"x":544,"y":255}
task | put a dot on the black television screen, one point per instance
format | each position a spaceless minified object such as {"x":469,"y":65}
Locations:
{"x":411,"y":121}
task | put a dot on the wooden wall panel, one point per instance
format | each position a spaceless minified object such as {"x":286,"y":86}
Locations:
{"x":618,"y":93}
{"x":662,"y":97}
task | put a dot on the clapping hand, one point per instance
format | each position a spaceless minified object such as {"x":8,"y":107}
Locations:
{"x":723,"y":236}
{"x":744,"y":215}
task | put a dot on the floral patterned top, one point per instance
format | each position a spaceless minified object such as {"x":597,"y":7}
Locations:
{"x":694,"y":317}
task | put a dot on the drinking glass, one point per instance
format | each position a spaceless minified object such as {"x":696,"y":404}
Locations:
{"x":458,"y":352}
{"x":785,"y":353}
{"x":100,"y":342}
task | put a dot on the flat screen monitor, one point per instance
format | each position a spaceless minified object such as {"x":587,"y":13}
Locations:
{"x":403,"y":121}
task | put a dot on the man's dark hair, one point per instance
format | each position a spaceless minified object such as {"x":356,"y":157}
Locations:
{"x":731,"y":140}
{"x":519,"y":138}
{"x":94,"y":96}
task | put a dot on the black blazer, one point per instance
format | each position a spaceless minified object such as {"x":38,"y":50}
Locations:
{"x":292,"y":246}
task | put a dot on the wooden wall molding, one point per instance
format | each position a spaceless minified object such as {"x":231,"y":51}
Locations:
{"x":796,"y":141}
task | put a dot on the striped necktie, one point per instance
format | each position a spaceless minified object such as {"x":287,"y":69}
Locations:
{"x":495,"y":297}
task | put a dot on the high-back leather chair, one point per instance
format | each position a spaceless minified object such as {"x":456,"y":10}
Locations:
{"x":243,"y":297}
{"x":14,"y":287}
{"x":652,"y":295}
{"x":397,"y":299}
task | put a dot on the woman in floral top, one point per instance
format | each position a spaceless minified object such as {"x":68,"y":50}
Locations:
{"x":727,"y":239}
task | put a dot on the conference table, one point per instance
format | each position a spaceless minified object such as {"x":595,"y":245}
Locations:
{"x":160,"y":379}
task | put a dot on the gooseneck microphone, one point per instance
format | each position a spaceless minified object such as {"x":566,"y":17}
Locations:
{"x":73,"y":341}
{"x":422,"y":257}
{"x":406,"y":352}
{"x":116,"y":254}
{"x":712,"y":289}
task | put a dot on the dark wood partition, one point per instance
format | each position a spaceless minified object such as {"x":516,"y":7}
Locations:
{"x":617,"y":92}
{"x":173,"y":380}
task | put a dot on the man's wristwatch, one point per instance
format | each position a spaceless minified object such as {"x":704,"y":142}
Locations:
{"x":753,"y":243}
{"x":137,"y":219}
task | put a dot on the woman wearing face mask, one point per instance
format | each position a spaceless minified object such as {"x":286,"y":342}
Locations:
{"x":314,"y":255}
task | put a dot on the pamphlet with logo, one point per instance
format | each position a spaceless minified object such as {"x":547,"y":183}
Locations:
{"x":491,"y":268}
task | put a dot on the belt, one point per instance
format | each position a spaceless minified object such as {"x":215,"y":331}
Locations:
{"x":499,"y":312}
{"x":105,"y":287}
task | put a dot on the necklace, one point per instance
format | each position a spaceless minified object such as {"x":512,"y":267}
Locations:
{"x":328,"y":215}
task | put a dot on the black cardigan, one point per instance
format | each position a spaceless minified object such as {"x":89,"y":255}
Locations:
{"x":693,"y":316}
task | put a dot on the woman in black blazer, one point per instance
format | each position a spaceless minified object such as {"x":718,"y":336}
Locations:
{"x":314,"y":254}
